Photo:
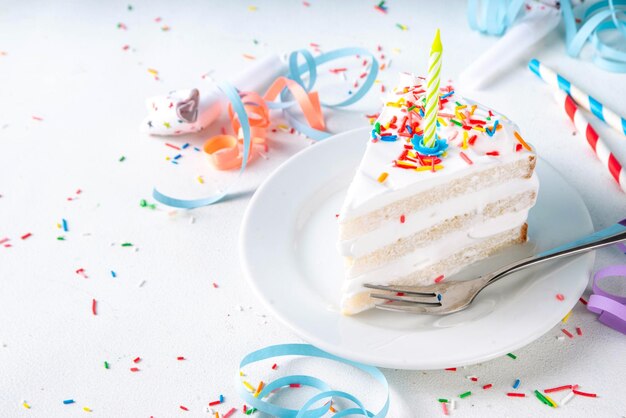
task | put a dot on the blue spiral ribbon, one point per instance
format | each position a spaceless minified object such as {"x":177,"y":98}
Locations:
{"x":493,"y":17}
{"x":297,"y":71}
{"x":326,"y":392}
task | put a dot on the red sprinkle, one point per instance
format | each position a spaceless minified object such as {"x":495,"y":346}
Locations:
{"x":583,"y":301}
{"x":558,"y":388}
{"x":472,"y":139}
{"x":474,"y":379}
{"x":137,"y":360}
{"x":579,"y":331}
{"x":214,"y":403}
{"x":184,"y":408}
{"x":466,"y":158}
{"x":25,"y":236}
{"x":275,"y":366}
{"x":180,"y":358}
{"x":488,"y":386}
{"x":589,"y":395}
{"x":516,"y":395}
{"x":93,"y":307}
{"x":402,"y":219}
{"x":493,"y":153}
{"x":451,"y":369}
{"x":215,"y":285}
{"x":560,"y":297}
{"x":438,"y":279}
{"x":566,"y":332}
{"x":229,"y":413}
{"x":134,"y":369}
{"x":294,"y":385}
{"x":172,"y":146}
{"x":518,"y":147}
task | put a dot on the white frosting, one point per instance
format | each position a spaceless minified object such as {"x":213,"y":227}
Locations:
{"x":434,"y":252}
{"x":392,"y":229}
{"x":366,"y":194}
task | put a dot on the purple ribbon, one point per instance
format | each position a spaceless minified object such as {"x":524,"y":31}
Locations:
{"x":610,"y":307}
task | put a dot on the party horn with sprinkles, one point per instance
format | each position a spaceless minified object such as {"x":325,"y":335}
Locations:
{"x":583,"y":99}
{"x":598,"y":145}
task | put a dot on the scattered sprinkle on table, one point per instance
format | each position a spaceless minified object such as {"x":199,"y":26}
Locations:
{"x":383,"y":176}
{"x":516,"y":395}
{"x":93,"y":307}
{"x":560,"y":297}
{"x":466,"y":394}
{"x":513,"y":356}
{"x":68,"y":401}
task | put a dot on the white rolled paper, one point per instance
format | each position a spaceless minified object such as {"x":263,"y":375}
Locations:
{"x":183,"y":111}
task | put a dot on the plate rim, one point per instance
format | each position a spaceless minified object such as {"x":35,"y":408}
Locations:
{"x":320,"y":343}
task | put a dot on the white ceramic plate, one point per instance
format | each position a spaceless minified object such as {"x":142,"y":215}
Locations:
{"x":288,"y":251}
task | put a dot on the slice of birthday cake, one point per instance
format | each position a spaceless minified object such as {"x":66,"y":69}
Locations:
{"x":416,"y":213}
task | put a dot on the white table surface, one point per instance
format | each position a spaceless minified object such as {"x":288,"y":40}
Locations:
{"x":63,"y":61}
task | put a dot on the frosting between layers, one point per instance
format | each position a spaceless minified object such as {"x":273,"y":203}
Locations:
{"x":391,"y":230}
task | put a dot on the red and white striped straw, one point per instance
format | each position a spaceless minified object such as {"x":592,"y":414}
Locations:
{"x":598,"y":145}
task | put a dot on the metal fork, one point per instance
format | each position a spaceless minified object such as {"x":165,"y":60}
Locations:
{"x":453,"y":296}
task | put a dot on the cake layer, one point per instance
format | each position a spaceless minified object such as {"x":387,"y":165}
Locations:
{"x":392,"y":230}
{"x":405,"y":202}
{"x":356,"y":297}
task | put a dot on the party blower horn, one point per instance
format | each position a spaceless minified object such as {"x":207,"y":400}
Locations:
{"x":184,"y":111}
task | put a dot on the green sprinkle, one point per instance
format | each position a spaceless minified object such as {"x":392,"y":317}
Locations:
{"x":442,"y":400}
{"x":465,"y":395}
{"x":513,"y":356}
{"x":458,"y":104}
{"x":488,"y":118}
{"x":411,"y":108}
{"x":456,"y":122}
{"x":542,"y":398}
{"x":60,"y":238}
{"x":143,"y":203}
{"x":122,"y":158}
{"x":152,"y":206}
{"x":106,"y":365}
{"x":377,"y":127}
{"x":127,"y":244}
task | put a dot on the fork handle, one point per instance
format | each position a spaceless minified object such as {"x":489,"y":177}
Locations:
{"x":608,"y":236}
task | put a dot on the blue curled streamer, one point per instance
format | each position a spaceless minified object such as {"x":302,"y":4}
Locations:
{"x":296,"y":73}
{"x":497,"y":15}
{"x":596,"y":18}
{"x":325,"y":391}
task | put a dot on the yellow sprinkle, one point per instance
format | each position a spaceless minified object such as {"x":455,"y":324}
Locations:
{"x":465,"y":136}
{"x":442,"y":122}
{"x":217,"y":415}
{"x":383,"y":176}
{"x":405,"y":164}
{"x":428,"y":168}
{"x":461,"y":107}
{"x":167,"y":125}
{"x":258,"y":389}
{"x":473,"y":109}
{"x":478,"y":128}
{"x":460,"y":115}
{"x":249,"y":386}
{"x":200,"y":180}
{"x":26,"y":405}
{"x":550,"y":400}
{"x":252,"y":8}
{"x":86,"y":409}
{"x":153,"y":71}
{"x":282,"y":126}
{"x":566,"y":317}
{"x":241,"y":373}
{"x":167,"y":158}
{"x":58,"y":226}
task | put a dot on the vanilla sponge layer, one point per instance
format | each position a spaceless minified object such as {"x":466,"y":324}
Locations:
{"x":357,"y":299}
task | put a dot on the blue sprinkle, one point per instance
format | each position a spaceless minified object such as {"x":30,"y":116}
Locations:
{"x":349,"y":91}
{"x":408,"y":128}
{"x":68,"y":401}
{"x":113,"y":274}
{"x":373,"y":133}
{"x":388,"y":138}
{"x":196,"y":149}
{"x":178,"y":156}
{"x":439,"y":297}
{"x":174,"y":162}
{"x":221,"y":398}
{"x":516,"y":384}
{"x":64,"y":223}
{"x":450,"y":93}
{"x":422,"y":112}
{"x":186,"y":145}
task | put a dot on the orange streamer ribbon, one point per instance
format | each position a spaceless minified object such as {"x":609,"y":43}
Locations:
{"x":226,"y":151}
